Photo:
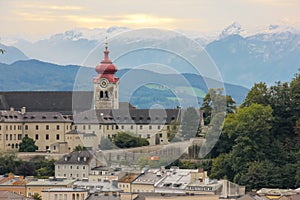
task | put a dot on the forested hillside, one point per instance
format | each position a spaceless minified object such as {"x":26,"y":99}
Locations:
{"x":260,"y":142}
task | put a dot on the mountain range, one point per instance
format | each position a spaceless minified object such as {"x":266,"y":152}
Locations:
{"x":270,"y":55}
{"x":34,"y":75}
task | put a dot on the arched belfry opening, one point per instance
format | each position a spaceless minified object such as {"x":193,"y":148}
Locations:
{"x":106,"y":84}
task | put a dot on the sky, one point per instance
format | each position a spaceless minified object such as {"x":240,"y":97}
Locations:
{"x":42,"y":17}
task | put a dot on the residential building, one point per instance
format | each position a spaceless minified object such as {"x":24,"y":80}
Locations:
{"x":125,"y":183}
{"x":37,"y":186}
{"x":65,"y":194}
{"x":76,"y":165}
{"x":14,"y":184}
{"x":106,"y":174}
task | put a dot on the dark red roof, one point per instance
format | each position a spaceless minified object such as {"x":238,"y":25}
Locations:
{"x":106,"y":69}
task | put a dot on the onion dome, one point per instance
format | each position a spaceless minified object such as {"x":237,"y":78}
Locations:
{"x":106,"y":69}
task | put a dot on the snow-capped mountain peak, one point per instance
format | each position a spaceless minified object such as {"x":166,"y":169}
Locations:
{"x":233,"y":29}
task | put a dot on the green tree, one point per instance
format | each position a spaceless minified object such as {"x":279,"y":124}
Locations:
{"x":215,"y":102}
{"x":27,"y":145}
{"x":25,"y":169}
{"x":36,"y":196}
{"x":7,"y":162}
{"x":80,"y":148}
{"x":258,"y":94}
{"x":190,"y":123}
{"x":45,"y":168}
{"x":128,"y":140}
{"x":173,"y":131}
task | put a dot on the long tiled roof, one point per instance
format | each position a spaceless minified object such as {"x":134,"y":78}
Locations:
{"x":46,"y":101}
{"x":49,"y":101}
{"x":128,"y":116}
{"x":16,"y":116}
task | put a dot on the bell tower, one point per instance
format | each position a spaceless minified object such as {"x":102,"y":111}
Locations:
{"x":106,"y":84}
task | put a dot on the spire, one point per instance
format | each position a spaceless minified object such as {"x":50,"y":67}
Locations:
{"x":106,"y":52}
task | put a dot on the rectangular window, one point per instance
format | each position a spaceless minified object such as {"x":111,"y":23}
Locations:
{"x":6,"y":136}
{"x":89,"y":127}
{"x":36,"y":136}
{"x":37,"y":127}
{"x":47,"y":127}
{"x":57,"y":136}
{"x":122,"y":127}
{"x":117,"y":127}
{"x":148,"y":136}
{"x":10,"y":127}
{"x":10,"y":137}
{"x":15,"y":128}
{"x":15,"y":136}
{"x":99,"y":127}
{"x":131,"y":127}
{"x":160,"y":135}
{"x":107,"y":127}
{"x":150,"y":127}
{"x":0,"y":136}
{"x":141,"y":127}
{"x":0,"y":128}
{"x":57,"y":127}
{"x":158,"y":127}
{"x":19,"y":136}
{"x":47,"y":136}
{"x":26,"y":127}
{"x":83,"y":127}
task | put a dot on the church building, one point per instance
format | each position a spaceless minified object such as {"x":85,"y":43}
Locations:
{"x":48,"y":118}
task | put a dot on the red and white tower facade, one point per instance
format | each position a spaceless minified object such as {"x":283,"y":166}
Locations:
{"x":106,"y":84}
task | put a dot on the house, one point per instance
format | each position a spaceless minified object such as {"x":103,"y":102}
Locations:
{"x":125,"y":183}
{"x":65,"y":194}
{"x":14,"y":184}
{"x":104,"y":174}
{"x":76,"y":165}
{"x":37,"y":186}
{"x":7,"y":195}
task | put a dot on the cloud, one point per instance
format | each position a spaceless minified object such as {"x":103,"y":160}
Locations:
{"x":49,"y":7}
{"x":129,"y":20}
{"x":276,"y":3}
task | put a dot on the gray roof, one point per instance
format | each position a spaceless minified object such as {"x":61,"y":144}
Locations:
{"x":46,"y":101}
{"x":76,"y":157}
{"x":10,"y":195}
{"x":16,"y":116}
{"x":128,"y":116}
{"x":49,"y":101}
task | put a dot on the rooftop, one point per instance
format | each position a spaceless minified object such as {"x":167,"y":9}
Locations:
{"x":76,"y":157}
{"x":17,"y":116}
{"x":46,"y":182}
{"x":129,"y":178}
{"x":150,"y":177}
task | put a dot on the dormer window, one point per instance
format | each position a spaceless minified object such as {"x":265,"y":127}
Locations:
{"x":84,"y":159}
{"x":78,"y":159}
{"x":66,"y":158}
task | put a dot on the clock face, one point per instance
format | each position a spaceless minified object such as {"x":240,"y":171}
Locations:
{"x":103,"y":82}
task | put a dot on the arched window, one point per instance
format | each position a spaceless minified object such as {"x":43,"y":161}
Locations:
{"x":101,"y":94}
{"x":106,"y":94}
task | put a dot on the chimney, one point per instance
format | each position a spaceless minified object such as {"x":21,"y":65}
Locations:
{"x":23,"y":110}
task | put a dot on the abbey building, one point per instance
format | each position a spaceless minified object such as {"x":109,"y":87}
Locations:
{"x":48,"y":117}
